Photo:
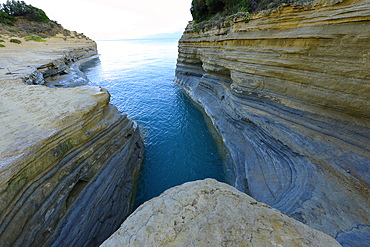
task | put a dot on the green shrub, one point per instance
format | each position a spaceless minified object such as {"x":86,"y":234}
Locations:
{"x":66,"y":32}
{"x":17,"y":41}
{"x":5,"y":18}
{"x":2,"y":45}
{"x":44,"y":36}
{"x":20,"y":8}
{"x":2,"y":41}
{"x":203,"y":10}
{"x":34,"y":38}
{"x":38,"y":15}
{"x":199,"y":10}
{"x":215,"y":6}
{"x":243,"y":15}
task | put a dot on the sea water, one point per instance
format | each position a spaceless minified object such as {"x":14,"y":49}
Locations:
{"x":179,"y":146}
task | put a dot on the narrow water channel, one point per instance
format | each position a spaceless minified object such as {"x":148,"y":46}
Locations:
{"x":179,"y":146}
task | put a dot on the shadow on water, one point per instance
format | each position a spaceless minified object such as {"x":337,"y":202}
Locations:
{"x":179,"y":146}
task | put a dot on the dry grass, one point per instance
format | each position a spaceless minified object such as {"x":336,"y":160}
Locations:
{"x":23,"y":28}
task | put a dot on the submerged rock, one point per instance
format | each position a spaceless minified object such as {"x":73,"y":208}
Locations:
{"x":69,"y":159}
{"x":210,"y":213}
{"x":289,"y":93}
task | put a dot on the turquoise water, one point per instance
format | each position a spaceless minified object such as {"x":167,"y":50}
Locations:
{"x":179,"y":147}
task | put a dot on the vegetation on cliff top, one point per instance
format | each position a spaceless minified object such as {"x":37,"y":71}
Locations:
{"x":12,"y":9}
{"x":203,"y":10}
{"x":6,"y":18}
{"x":24,"y":20}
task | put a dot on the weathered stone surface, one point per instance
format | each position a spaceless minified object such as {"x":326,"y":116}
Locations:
{"x":210,"y":213}
{"x":68,"y":158}
{"x":289,"y":93}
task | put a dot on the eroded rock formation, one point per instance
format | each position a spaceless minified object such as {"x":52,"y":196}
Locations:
{"x":68,"y":158}
{"x":289,"y":93}
{"x":210,"y":213}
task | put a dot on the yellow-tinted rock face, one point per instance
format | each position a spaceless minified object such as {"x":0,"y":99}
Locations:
{"x":68,"y":158}
{"x":289,"y":92}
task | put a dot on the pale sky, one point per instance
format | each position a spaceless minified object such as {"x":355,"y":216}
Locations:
{"x":118,"y":19}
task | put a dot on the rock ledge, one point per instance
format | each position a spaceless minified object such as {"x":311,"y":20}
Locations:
{"x":69,"y":159}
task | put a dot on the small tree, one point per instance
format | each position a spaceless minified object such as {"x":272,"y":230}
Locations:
{"x":5,"y":18}
{"x":20,"y":8}
{"x":199,"y":10}
{"x":15,"y":8}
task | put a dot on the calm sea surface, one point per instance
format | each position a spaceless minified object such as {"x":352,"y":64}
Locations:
{"x":179,"y":147}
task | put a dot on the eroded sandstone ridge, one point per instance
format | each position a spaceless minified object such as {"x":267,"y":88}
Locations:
{"x":210,"y":213}
{"x":68,"y":158}
{"x":289,"y":93}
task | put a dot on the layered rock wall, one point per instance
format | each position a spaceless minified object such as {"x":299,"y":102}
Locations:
{"x":68,"y":158}
{"x":289,"y":93}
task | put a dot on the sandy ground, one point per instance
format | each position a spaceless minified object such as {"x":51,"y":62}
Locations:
{"x":28,"y":112}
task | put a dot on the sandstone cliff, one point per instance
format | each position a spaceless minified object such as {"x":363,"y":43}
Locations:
{"x":289,"y":90}
{"x":68,"y":158}
{"x":209,"y":213}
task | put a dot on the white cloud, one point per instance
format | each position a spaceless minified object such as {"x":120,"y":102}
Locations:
{"x":118,"y":19}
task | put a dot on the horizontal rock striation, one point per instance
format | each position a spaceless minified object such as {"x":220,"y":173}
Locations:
{"x":289,"y":93}
{"x":69,"y":159}
{"x":63,"y":71}
{"x":209,"y":213}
